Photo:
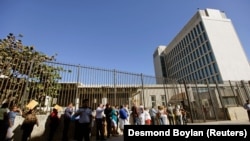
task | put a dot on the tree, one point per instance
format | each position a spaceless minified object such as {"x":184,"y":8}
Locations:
{"x":25,"y":73}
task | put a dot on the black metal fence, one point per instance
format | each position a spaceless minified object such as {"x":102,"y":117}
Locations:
{"x":202,"y":100}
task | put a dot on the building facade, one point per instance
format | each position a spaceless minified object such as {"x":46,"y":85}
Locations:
{"x":206,"y":49}
{"x":159,"y":63}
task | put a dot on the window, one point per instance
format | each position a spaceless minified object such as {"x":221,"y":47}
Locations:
{"x":229,"y":101}
{"x":153,"y":100}
{"x":163,"y":100}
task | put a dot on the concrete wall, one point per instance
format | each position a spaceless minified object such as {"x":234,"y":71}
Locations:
{"x":40,"y":133}
{"x":237,"y":113}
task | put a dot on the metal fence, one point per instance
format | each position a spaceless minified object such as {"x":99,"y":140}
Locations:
{"x":202,"y":100}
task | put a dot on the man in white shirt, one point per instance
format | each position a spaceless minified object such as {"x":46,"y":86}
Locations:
{"x":153,"y":111}
{"x":99,"y":122}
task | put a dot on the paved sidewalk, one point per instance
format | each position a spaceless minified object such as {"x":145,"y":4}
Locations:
{"x":227,"y":122}
{"x":117,"y":138}
{"x":224,"y":122}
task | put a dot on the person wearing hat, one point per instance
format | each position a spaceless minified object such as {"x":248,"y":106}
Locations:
{"x":84,"y":122}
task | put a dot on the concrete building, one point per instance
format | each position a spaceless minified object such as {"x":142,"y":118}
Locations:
{"x":159,"y":61}
{"x":206,"y":49}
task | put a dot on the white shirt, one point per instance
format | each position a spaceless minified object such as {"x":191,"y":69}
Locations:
{"x":147,"y":115}
{"x":99,"y":112}
{"x":142,"y":118}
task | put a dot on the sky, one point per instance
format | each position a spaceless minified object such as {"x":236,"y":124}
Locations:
{"x":111,"y":34}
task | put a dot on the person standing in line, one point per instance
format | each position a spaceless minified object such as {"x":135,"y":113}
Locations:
{"x":162,"y":116}
{"x":126,"y":108}
{"x":123,"y":118}
{"x":76,"y":124}
{"x":153,"y":113}
{"x":114,"y":119}
{"x":147,"y":116}
{"x":107,"y":113}
{"x":117,"y":115}
{"x":142,"y":115}
{"x":247,"y":108}
{"x":84,"y":122}
{"x":54,"y":122}
{"x":28,"y":124}
{"x":178,"y":115}
{"x":14,"y":111}
{"x":135,"y":115}
{"x":3,"y":121}
{"x":170,"y":113}
{"x":99,"y":122}
{"x":66,"y":121}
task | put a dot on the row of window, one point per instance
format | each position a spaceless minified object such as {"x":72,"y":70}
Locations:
{"x":192,"y":58}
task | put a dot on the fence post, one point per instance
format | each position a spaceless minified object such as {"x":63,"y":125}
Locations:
{"x":25,"y":94}
{"x":77,"y":93}
{"x":221,"y":100}
{"x":245,"y":89}
{"x":164,"y":88}
{"x":189,"y":104}
{"x":115,"y":86}
{"x":232,"y":88}
{"x":199,"y":100}
{"x":142,"y":85}
{"x":212,"y":100}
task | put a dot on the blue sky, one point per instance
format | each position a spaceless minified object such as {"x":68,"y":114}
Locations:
{"x":110,"y":34}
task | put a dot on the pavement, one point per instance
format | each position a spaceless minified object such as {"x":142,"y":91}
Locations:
{"x":227,"y":122}
{"x":224,"y":122}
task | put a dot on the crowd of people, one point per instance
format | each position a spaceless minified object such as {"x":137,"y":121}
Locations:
{"x":104,"y":122}
{"x":108,"y":120}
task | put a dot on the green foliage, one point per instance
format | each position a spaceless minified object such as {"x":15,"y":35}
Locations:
{"x":25,"y":73}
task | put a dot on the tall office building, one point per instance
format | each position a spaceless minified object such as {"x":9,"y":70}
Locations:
{"x":206,"y":49}
{"x":159,"y":61}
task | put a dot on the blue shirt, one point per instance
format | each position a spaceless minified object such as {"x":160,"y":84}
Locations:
{"x":68,"y":112}
{"x":123,"y":114}
{"x":12,"y":116}
{"x":85,"y":115}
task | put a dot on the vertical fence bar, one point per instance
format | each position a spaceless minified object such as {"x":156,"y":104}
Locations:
{"x":25,"y":95}
{"x":77,"y":89}
{"x":115,"y":86}
{"x":164,"y":89}
{"x":244,"y":87}
{"x":221,"y":100}
{"x":232,"y":88}
{"x":189,"y":104}
{"x":199,"y":101}
{"x":212,"y":100}
{"x":142,"y":85}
